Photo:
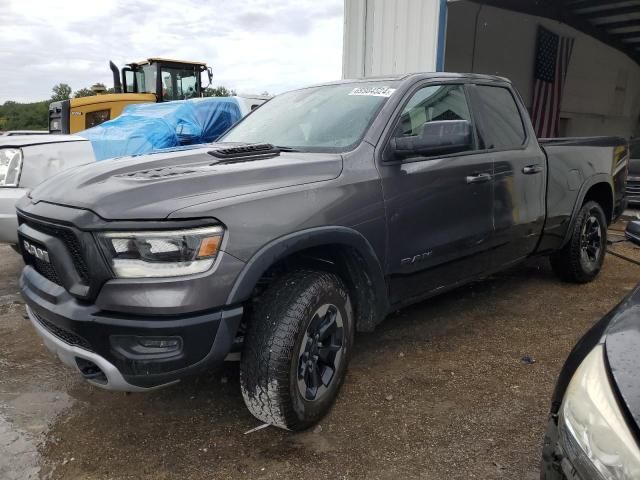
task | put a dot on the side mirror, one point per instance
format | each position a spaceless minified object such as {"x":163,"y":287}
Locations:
{"x":435,"y":138}
{"x":632,"y":232}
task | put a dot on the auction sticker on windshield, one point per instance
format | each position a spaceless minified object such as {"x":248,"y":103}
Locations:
{"x":373,"y":91}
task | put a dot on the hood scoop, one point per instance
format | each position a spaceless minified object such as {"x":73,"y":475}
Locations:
{"x":244,"y":152}
{"x":157,"y":173}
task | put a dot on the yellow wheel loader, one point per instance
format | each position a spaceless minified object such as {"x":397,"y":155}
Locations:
{"x":148,"y":81}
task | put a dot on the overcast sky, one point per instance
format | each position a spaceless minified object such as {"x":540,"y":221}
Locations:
{"x":252,"y":45}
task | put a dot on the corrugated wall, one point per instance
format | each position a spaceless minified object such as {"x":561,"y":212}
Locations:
{"x":384,"y":37}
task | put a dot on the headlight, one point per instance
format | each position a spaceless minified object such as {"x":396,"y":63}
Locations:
{"x":163,"y":253}
{"x":593,"y":430}
{"x":10,"y":166}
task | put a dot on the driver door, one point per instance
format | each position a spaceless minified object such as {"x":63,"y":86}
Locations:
{"x":439,"y":207}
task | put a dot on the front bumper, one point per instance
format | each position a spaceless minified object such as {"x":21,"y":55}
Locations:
{"x":109,"y":349}
{"x":69,"y":355}
{"x":633,"y":201}
{"x":9,"y":196}
{"x":555,"y":463}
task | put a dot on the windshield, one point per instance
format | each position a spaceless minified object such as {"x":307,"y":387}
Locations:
{"x":179,"y":83}
{"x":329,"y":118}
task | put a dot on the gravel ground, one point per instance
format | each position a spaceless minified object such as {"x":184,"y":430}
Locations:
{"x":439,"y":390}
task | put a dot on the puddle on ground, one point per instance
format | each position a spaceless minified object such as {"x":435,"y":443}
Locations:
{"x":19,"y":458}
{"x":32,"y":393}
{"x":24,"y":421}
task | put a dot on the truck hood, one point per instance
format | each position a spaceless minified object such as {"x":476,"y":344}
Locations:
{"x":153,"y":186}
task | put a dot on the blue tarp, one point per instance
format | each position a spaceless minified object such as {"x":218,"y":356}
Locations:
{"x":148,"y":127}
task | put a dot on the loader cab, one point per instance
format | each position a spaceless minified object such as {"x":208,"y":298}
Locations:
{"x":148,"y":81}
{"x":167,"y":79}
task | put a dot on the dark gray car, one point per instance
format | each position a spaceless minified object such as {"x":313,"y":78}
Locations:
{"x":594,"y":423}
{"x":311,"y":219}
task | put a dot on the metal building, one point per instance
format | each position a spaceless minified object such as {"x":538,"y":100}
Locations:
{"x":602,"y":90}
{"x":382,"y":36}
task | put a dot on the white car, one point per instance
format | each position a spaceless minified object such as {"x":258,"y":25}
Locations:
{"x":13,"y":133}
{"x":26,"y":161}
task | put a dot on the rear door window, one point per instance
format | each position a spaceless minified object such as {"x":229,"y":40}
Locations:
{"x":499,"y":120}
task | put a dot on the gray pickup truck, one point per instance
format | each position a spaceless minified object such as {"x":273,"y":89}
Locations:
{"x":312,"y":219}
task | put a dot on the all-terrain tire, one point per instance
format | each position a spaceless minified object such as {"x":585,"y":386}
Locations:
{"x":574,"y":262}
{"x":278,"y":331}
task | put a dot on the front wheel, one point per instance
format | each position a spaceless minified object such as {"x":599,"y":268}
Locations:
{"x":296,"y":349}
{"x":581,"y":259}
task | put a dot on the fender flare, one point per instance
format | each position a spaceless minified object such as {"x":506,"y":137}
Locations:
{"x":289,"y":244}
{"x":587,"y":184}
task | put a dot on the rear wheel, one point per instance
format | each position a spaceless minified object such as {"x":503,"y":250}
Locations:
{"x":581,"y":259}
{"x":296,"y":349}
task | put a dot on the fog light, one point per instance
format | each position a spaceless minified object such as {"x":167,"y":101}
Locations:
{"x":134,"y":347}
{"x":164,"y":343}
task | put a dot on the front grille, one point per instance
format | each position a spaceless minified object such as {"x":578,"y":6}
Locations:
{"x":633,"y":188}
{"x":46,"y":270}
{"x":65,"y":335}
{"x":43,"y":268}
{"x":70,"y":241}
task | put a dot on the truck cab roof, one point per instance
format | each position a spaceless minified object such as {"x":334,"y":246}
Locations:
{"x":166,"y":60}
{"x":474,"y":77}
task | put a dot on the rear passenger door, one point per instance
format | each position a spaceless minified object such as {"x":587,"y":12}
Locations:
{"x":520,"y":172}
{"x":439,"y":207}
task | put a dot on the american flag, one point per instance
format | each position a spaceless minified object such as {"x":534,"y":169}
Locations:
{"x":553,"y":53}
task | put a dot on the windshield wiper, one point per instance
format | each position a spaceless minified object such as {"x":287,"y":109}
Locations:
{"x":286,"y":149}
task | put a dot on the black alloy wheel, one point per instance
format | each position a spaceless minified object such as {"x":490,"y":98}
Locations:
{"x":321,"y":352}
{"x":591,"y":241}
{"x":581,"y":258}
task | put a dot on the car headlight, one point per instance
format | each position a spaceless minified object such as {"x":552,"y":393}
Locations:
{"x":593,"y":429}
{"x":161,"y":253}
{"x":10,"y":166}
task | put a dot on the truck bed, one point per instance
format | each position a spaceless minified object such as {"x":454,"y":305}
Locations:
{"x":574,"y":165}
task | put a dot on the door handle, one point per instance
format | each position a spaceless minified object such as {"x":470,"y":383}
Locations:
{"x":479,"y":178}
{"x":531,"y":169}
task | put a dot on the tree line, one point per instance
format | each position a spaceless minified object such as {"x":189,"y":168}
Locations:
{"x":35,"y":115}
